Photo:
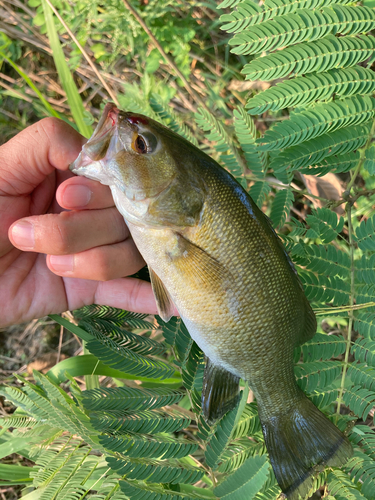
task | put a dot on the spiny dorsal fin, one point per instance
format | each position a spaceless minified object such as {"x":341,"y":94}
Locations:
{"x":220,"y":392}
{"x":162,"y":297}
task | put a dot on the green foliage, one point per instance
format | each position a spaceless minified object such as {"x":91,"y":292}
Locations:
{"x":246,"y":481}
{"x":319,"y":56}
{"x":306,"y":25}
{"x":320,"y":119}
{"x":312,"y":152}
{"x":224,"y":143}
{"x":281,"y":207}
{"x":317,"y":87}
{"x":129,"y":398}
{"x":246,"y":135}
{"x":134,"y":439}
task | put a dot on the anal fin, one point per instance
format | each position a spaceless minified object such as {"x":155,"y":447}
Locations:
{"x":220,"y":392}
{"x":163,"y":300}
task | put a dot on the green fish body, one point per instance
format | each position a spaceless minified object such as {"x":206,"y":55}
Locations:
{"x":213,"y":254}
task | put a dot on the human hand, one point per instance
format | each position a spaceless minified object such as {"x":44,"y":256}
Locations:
{"x":86,"y":246}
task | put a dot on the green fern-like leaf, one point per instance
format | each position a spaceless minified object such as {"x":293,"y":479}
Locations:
{"x":341,"y":487}
{"x":316,"y":121}
{"x":316,"y":87}
{"x":155,"y":471}
{"x":314,"y":375}
{"x":335,"y":164}
{"x":284,"y":31}
{"x":326,"y":223}
{"x":359,"y":400}
{"x":228,"y":3}
{"x":365,"y":324}
{"x":281,"y":206}
{"x":325,"y":260}
{"x":170,"y":119}
{"x":144,"y":422}
{"x":141,"y":491}
{"x":224,"y":144}
{"x":18,"y":422}
{"x":259,"y":191}
{"x":362,"y":468}
{"x":325,"y":289}
{"x":365,"y":235}
{"x":312,"y":152}
{"x":223,"y":433}
{"x":364,"y":351}
{"x":321,"y":55}
{"x":369,"y":163}
{"x":121,"y":358}
{"x":365,"y":293}
{"x":364,"y":437}
{"x":118,"y":316}
{"x":129,"y":399}
{"x":248,"y":424}
{"x":143,"y":446}
{"x":362,"y":375}
{"x":306,"y":25}
{"x":248,"y":13}
{"x":322,"y":347}
{"x":239,"y":450}
{"x":246,"y":135}
{"x":134,"y":342}
{"x":270,"y":494}
{"x":246,"y":481}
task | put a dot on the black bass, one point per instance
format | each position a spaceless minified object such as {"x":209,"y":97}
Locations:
{"x":213,"y":253}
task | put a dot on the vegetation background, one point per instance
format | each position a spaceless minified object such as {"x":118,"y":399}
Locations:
{"x":280,"y":93}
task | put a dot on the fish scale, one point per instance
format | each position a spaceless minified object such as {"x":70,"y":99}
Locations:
{"x":213,"y":254}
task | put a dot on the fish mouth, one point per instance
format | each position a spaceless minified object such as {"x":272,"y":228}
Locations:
{"x":113,"y":116}
{"x":107,"y":142}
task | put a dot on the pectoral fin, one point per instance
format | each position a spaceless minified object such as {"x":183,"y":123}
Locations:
{"x":163,"y":299}
{"x":196,"y":263}
{"x":220,"y":392}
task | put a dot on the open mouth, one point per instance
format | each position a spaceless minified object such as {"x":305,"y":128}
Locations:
{"x":107,"y":121}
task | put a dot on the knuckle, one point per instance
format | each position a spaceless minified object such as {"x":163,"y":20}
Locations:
{"x":134,"y":294}
{"x":59,"y":237}
{"x":50,"y":126}
{"x":117,"y":221}
{"x":102,"y":271}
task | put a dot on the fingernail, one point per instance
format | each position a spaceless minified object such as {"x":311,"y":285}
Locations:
{"x":62,"y":263}
{"x":76,"y":196}
{"x":23,"y":235}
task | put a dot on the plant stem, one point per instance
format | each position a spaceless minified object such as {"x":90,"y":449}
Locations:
{"x":324,"y":311}
{"x":351,"y":312}
{"x":169,"y":61}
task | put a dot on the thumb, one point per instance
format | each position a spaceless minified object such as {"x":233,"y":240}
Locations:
{"x":34,"y":153}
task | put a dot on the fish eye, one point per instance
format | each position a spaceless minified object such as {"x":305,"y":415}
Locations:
{"x":145,"y":143}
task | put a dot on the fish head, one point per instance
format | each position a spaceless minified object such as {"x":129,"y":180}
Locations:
{"x":138,"y":158}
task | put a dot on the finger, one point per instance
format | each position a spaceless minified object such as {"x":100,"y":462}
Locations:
{"x":50,"y":144}
{"x":101,"y":264}
{"x":81,"y":193}
{"x":69,"y":232}
{"x":130,"y":294}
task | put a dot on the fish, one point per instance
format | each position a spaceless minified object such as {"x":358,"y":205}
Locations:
{"x":214,"y":256}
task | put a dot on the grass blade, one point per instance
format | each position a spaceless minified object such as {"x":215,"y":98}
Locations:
{"x":67,"y":82}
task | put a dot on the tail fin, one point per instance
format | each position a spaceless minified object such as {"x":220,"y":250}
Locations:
{"x":300,"y":444}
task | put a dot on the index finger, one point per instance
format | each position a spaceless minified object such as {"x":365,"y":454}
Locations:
{"x":35,"y":152}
